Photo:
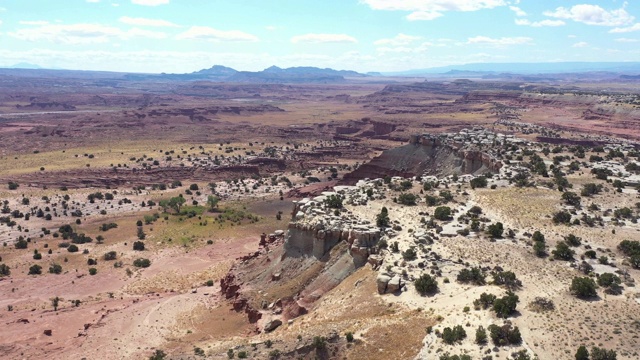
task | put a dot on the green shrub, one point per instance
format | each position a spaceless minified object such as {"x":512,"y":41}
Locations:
{"x":453,"y":335}
{"x":602,"y":354}
{"x":479,"y":182}
{"x":158,"y":355}
{"x":334,"y":202}
{"x":495,"y":230}
{"x":473,"y":275}
{"x":349,"y":336}
{"x":485,"y":301}
{"x":409,"y":254}
{"x":426,"y":284}
{"x":561,"y":217}
{"x":481,"y":335}
{"x":35,"y":270}
{"x":538,"y":236}
{"x":442,"y":213}
{"x":563,"y":252}
{"x":506,"y":305}
{"x":407,"y":199}
{"x":142,"y":263}
{"x":539,"y":249}
{"x":55,"y":269}
{"x":319,"y":342}
{"x":5,"y":270}
{"x":382,"y":219}
{"x":583,"y":287}
{"x":573,"y":240}
{"x":504,"y":335}
{"x":571,"y":198}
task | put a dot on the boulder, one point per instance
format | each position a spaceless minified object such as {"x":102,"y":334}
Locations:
{"x":394,"y":284}
{"x":272,"y":325}
{"x":48,"y":332}
{"x":382,"y":280}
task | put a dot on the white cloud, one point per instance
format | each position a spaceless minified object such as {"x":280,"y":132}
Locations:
{"x":626,"y":40}
{"x":206,"y":33}
{"x":525,"y":22}
{"x":398,"y":40}
{"x":80,"y":33}
{"x":150,"y":2}
{"x":571,"y":36}
{"x":33,"y":22}
{"x":323,"y":38}
{"x":632,"y":28}
{"x":93,"y":1}
{"x":432,"y":9}
{"x":135,"y":32}
{"x":518,"y":11}
{"x":580,"y":44}
{"x":503,"y":41}
{"x":422,"y":48}
{"x":146,"y":22}
{"x":592,"y":15}
{"x":424,"y":15}
{"x":271,"y":27}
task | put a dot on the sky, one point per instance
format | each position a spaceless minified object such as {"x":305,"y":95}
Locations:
{"x":181,"y":36}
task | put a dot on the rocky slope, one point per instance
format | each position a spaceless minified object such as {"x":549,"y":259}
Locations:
{"x":292,"y":270}
{"x":440,"y":155}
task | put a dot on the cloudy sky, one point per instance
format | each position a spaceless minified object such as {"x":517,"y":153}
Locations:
{"x":365,"y":35}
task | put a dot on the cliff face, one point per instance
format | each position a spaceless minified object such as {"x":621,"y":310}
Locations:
{"x":313,"y":232}
{"x":426,"y":156}
{"x":295,"y":268}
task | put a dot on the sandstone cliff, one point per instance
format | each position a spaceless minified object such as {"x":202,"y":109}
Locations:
{"x":426,"y":155}
{"x":295,"y":268}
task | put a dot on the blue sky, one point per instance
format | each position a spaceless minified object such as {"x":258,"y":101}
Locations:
{"x":365,"y":35}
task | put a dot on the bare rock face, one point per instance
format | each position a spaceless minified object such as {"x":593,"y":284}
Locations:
{"x":314,"y":230}
{"x":394,"y":284}
{"x":388,"y":283}
{"x":272,"y":325}
{"x":229,"y":287}
{"x":320,"y":244}
{"x":291,"y":309}
{"x":382,"y":128}
{"x":382,"y":281}
{"x":443,"y":154}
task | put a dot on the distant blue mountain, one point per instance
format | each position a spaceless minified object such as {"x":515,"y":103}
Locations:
{"x":273,"y":74}
{"x":25,"y":65}
{"x":525,"y":68}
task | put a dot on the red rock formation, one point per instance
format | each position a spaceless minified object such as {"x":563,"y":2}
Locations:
{"x":424,"y":156}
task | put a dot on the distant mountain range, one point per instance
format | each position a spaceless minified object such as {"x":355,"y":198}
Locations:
{"x":272,"y":74}
{"x":479,"y":69}
{"x":277,"y":75}
{"x":24,"y":65}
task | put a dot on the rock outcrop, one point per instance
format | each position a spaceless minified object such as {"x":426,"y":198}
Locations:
{"x":442,"y":155}
{"x":314,"y":231}
{"x":295,"y":268}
